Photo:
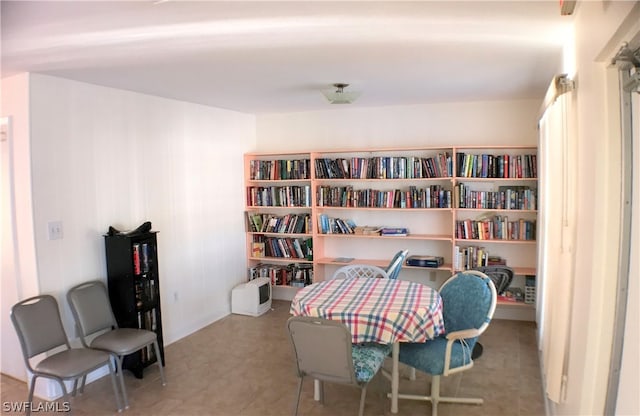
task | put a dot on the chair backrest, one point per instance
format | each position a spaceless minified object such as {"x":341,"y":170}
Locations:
{"x":468,"y":301}
{"x":501,"y":276}
{"x":91,"y":308}
{"x":359,"y":270}
{"x":393,"y":269}
{"x":38,"y":325}
{"x":322,"y":349}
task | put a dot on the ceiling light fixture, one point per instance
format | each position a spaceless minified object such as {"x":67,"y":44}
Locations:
{"x":339,"y":95}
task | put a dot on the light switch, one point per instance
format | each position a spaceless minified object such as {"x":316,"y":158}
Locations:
{"x":55,"y":230}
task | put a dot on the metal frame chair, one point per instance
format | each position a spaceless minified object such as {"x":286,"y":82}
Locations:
{"x":469,"y":301}
{"x":323,"y":350}
{"x":92,"y":311}
{"x":360,"y":270}
{"x":39,"y":327}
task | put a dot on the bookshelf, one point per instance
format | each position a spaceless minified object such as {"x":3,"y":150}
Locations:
{"x":134,"y":290}
{"x":471,"y":205}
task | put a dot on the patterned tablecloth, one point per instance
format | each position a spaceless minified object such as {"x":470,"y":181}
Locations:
{"x":375,"y":310}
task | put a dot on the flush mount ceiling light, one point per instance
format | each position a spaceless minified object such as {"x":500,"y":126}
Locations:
{"x":339,"y":95}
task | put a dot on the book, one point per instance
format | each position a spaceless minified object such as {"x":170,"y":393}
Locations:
{"x":257,"y":249}
{"x":394,"y":231}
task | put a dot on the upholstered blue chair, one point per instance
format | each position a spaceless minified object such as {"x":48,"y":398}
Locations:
{"x":323,"y":351}
{"x":393,"y":269}
{"x":468,"y":301}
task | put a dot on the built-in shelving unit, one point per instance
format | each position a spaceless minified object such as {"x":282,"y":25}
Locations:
{"x":471,"y":205}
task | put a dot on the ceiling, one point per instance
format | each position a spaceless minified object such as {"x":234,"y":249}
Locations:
{"x":265,"y":57}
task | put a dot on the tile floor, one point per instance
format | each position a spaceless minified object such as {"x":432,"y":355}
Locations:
{"x":242,"y":366}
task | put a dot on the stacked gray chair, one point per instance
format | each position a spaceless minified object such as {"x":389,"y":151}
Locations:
{"x":92,"y":311}
{"x":39,"y":328}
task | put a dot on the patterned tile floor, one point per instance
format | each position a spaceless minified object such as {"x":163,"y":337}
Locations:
{"x":242,"y":366}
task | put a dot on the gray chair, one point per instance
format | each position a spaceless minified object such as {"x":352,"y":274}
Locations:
{"x":323,"y":351}
{"x":393,"y":269}
{"x":468,"y":303}
{"x":39,"y":328}
{"x":92,"y":311}
{"x":360,"y":270}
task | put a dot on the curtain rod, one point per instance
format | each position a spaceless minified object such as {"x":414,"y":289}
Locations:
{"x":560,"y":84}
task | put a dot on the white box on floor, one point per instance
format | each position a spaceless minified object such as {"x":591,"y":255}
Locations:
{"x":252,"y":298}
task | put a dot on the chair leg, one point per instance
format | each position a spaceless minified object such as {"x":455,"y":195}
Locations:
{"x":125,"y":400}
{"x":295,"y":412}
{"x":435,"y":394}
{"x":363,"y":396}
{"x":65,"y":394}
{"x":32,"y":386}
{"x":84,"y":382}
{"x":160,"y":363}
{"x":112,"y":373}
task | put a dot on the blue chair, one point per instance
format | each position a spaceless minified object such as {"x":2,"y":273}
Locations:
{"x":468,"y":301}
{"x":323,"y":351}
{"x":393,"y":269}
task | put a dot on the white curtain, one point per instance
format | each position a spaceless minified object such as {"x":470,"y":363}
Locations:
{"x":556,"y":234}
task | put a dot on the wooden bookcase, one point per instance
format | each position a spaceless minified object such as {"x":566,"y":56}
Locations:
{"x":434,"y":192}
{"x":134,"y":290}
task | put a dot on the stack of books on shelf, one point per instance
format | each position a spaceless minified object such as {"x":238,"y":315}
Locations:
{"x":297,"y":275}
{"x":496,"y":166}
{"x":271,"y":223}
{"x":279,"y":169}
{"x":279,"y":196}
{"x":434,"y":196}
{"x":496,"y":228}
{"x":507,"y":197}
{"x":473,"y":256}
{"x":385,"y":167}
{"x":295,"y":248}
{"x":329,"y":225}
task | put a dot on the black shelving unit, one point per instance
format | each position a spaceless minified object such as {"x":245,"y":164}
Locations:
{"x":134,"y":290}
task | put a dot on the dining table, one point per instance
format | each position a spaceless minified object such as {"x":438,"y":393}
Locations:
{"x":385,"y":311}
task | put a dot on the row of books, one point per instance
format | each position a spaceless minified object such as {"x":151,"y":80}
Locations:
{"x":297,"y":275}
{"x":385,"y":167}
{"x":271,"y":223}
{"x":283,"y":169}
{"x":496,"y":228}
{"x":148,"y":320}
{"x":496,"y":166}
{"x":330,"y":225}
{"x":279,"y":196}
{"x":514,"y":197}
{"x":434,"y":196}
{"x":466,"y":258}
{"x":296,"y":248}
{"x":142,"y":258}
{"x":145,"y":292}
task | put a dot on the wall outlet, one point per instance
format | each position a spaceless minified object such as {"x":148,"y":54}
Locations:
{"x":55,"y":230}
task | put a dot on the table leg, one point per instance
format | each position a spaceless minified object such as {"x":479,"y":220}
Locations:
{"x":395,"y":377}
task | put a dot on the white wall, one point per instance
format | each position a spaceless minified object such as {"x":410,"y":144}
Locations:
{"x":19,"y":273}
{"x":102,"y":157}
{"x":497,"y":122}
